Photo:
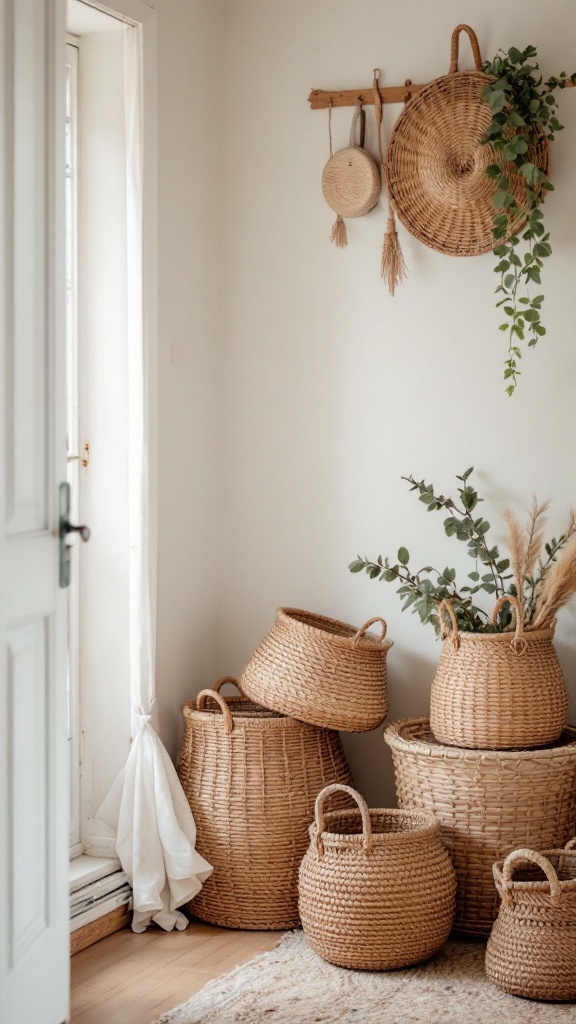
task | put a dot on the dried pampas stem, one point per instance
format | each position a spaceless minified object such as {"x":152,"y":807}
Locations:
{"x":393,"y":266}
{"x":559,"y":586}
{"x":339,"y":235}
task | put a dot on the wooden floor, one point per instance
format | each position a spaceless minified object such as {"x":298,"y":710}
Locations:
{"x":133,"y":979}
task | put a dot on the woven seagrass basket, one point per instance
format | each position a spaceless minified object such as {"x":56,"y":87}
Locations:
{"x":436,"y":162}
{"x":498,"y":690}
{"x":376,"y":886}
{"x":251,"y":777}
{"x":350,"y":180}
{"x":321,"y":671}
{"x":532,"y":949}
{"x":488,"y":803}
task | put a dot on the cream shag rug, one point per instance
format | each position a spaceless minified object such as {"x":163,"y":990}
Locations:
{"x":292,"y":985}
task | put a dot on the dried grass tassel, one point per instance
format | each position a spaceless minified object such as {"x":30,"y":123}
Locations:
{"x":339,"y":235}
{"x":393,"y":267}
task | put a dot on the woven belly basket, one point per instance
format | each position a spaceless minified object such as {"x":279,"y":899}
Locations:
{"x":251,"y":777}
{"x":321,"y":671}
{"x":488,"y":802}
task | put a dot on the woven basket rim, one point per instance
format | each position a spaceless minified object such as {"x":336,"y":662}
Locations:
{"x":264,"y":718}
{"x":540,"y":885}
{"x":367,"y":642}
{"x":394,"y":738}
{"x":427,"y":826}
{"x":544,"y":633}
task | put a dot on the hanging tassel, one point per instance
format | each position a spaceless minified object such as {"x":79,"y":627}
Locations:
{"x":393,"y":266}
{"x":339,"y":235}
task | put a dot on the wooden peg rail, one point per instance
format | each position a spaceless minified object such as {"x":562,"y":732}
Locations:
{"x":320,"y":98}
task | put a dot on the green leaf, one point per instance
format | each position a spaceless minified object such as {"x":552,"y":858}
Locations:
{"x":502,"y":199}
{"x":356,"y":566}
{"x":515,"y":56}
{"x":496,"y":100}
{"x":389,"y":576}
{"x":403,"y":556}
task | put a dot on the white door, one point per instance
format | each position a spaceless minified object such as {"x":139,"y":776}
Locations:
{"x":34,"y":938}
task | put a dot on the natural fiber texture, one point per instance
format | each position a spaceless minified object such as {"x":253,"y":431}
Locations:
{"x":498,"y":690}
{"x":350,"y":180}
{"x":392,"y":266}
{"x":321,"y":671}
{"x":251,"y":778}
{"x":292,"y":985}
{"x":376,"y":887}
{"x":435,"y":165}
{"x":532,"y":949}
{"x":488,"y":803}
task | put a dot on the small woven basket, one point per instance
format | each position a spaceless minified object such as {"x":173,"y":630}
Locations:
{"x":488,"y":802}
{"x":436,"y":162}
{"x":251,"y":777}
{"x":376,"y":886}
{"x":321,"y":671}
{"x":498,"y":691}
{"x":350,"y":180}
{"x":532,"y":949}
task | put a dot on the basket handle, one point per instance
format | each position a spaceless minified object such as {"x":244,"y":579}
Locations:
{"x":201,"y":700}
{"x":452,"y":633}
{"x":358,"y":636}
{"x":226,"y":679}
{"x":519,"y":642}
{"x":337,"y":787}
{"x":571,"y":844}
{"x":359,"y":116}
{"x":535,"y":858}
{"x":454,"y":48}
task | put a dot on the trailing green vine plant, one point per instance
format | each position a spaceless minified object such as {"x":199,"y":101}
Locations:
{"x":523,"y":107}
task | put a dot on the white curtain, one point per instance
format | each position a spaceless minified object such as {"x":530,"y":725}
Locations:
{"x":147,"y":808}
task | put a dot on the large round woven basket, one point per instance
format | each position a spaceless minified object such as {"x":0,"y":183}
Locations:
{"x":321,"y":671}
{"x":376,"y":886}
{"x":498,"y":690}
{"x":251,"y":777}
{"x":488,"y":803}
{"x":532,"y":949}
{"x":436,"y":162}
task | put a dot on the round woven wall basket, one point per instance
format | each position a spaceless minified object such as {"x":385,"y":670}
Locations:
{"x":436,"y":162}
{"x":498,"y":690}
{"x":488,"y":802}
{"x":376,"y":886}
{"x":251,"y":778}
{"x":532,"y":949}
{"x":350,"y":180}
{"x":321,"y":671}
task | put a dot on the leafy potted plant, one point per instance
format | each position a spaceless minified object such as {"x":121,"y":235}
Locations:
{"x":499,"y":683}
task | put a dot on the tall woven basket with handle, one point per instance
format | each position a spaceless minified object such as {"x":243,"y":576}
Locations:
{"x":251,"y":777}
{"x":532,"y":949}
{"x":488,"y":802}
{"x":376,"y":886}
{"x":321,"y":671}
{"x":498,"y":690}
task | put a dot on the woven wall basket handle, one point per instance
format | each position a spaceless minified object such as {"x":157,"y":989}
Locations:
{"x":337,"y":787}
{"x":201,"y":700}
{"x":443,"y":607}
{"x":226,"y":679}
{"x":383,"y":628}
{"x":519,"y":643}
{"x":571,"y":844}
{"x":535,"y":858}
{"x":454,"y":48}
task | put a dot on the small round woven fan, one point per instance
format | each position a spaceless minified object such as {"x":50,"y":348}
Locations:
{"x":436,"y":162}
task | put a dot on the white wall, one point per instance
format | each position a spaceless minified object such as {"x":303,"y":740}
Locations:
{"x":188,"y":208}
{"x":329,"y":389}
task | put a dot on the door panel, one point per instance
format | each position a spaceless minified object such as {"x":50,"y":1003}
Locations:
{"x":34,"y":930}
